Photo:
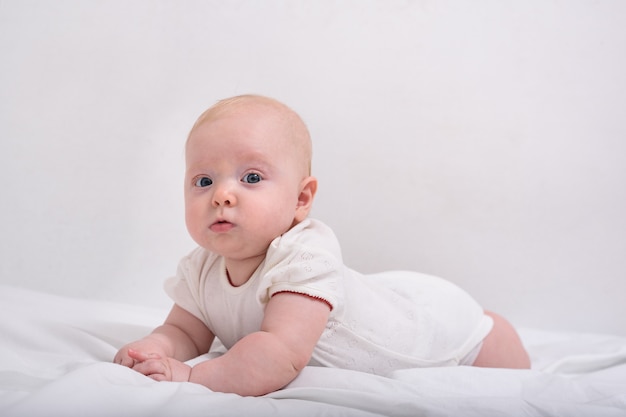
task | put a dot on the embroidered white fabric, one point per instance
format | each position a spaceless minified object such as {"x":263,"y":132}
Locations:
{"x":378,"y":324}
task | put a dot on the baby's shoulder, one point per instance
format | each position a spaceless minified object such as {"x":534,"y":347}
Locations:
{"x":310,"y":233}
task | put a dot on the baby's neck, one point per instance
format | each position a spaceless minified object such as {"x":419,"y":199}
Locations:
{"x":240,"y":271}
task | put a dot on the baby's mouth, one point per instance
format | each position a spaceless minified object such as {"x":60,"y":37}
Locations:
{"x":221,"y":226}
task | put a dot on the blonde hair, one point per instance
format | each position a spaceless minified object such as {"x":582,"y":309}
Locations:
{"x":295,"y":126}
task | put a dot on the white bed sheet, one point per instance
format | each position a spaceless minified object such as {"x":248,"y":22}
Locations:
{"x":55,"y":361}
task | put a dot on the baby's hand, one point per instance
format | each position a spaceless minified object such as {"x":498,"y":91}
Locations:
{"x":160,"y":369}
{"x":144,"y":345}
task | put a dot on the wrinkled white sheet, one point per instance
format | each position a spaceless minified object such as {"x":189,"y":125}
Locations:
{"x":55,"y":361}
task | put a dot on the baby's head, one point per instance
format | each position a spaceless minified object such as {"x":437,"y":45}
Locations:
{"x":248,"y":175}
{"x":295,"y":133}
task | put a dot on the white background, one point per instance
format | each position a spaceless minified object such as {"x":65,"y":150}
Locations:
{"x":483,"y":141}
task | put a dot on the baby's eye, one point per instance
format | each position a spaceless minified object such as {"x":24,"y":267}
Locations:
{"x":251,"y":178}
{"x":203,"y":182}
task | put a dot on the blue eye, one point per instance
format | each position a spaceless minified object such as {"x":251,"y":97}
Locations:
{"x":251,"y":178}
{"x":203,"y":182}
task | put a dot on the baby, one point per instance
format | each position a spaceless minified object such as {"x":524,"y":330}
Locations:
{"x":270,"y":284}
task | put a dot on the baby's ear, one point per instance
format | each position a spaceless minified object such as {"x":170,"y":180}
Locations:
{"x":308,"y":188}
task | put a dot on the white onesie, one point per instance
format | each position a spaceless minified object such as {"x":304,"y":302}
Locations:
{"x":379,"y":323}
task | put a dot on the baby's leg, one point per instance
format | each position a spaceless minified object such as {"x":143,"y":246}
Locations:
{"x":502,"y":348}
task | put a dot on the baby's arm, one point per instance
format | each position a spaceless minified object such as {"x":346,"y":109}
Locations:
{"x":182,"y":336}
{"x":269,"y":359}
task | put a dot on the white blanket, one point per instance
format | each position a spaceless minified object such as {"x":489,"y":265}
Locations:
{"x":55,"y":361}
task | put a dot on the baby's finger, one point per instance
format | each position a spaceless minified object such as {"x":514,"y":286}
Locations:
{"x":124,"y":360}
{"x":152,"y":369}
{"x":142,"y":356}
{"x":158,"y":377}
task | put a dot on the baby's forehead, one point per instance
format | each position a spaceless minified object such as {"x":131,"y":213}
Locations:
{"x":247,"y":123}
{"x":255,"y":113}
{"x":267,"y":111}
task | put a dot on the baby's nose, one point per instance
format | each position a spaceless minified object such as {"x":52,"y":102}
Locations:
{"x":224,"y":196}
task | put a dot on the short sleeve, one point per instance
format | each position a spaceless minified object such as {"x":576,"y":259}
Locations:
{"x":306,"y":260}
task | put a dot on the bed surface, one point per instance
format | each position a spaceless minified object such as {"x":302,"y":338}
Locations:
{"x":55,"y":361}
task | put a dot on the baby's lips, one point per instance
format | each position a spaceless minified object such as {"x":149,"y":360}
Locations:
{"x":221,"y":226}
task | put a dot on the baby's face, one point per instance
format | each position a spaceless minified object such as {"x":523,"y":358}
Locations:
{"x":242,"y":182}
